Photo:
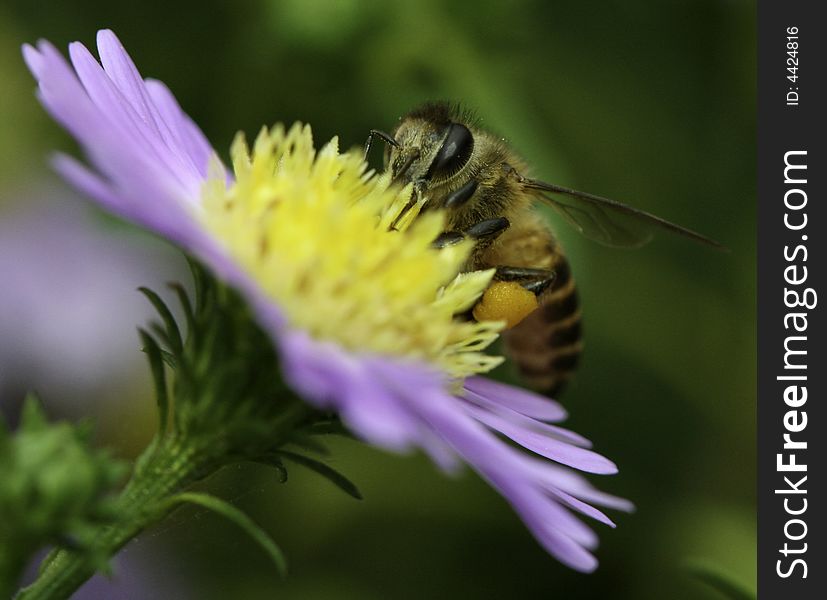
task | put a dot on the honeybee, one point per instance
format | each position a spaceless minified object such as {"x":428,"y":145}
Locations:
{"x":478,"y":181}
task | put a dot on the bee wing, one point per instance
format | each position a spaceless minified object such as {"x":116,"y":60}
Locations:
{"x":607,"y":221}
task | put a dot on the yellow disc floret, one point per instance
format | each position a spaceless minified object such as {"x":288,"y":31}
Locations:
{"x":313,"y":230}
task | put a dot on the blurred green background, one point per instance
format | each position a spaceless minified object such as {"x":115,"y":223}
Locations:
{"x":647,"y":102}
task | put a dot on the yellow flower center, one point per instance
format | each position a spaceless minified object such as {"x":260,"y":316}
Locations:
{"x":314,"y":230}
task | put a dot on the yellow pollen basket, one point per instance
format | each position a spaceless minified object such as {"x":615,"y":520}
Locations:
{"x":505,"y":301}
{"x":313,"y":230}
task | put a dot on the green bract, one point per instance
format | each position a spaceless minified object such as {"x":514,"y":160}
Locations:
{"x":54,"y":489}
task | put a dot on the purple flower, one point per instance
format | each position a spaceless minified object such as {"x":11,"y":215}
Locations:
{"x":135,"y":574}
{"x":68,"y":300}
{"x":363,"y":318}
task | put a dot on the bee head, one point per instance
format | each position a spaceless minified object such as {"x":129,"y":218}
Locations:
{"x":432,"y":146}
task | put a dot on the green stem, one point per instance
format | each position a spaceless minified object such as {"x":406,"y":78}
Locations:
{"x":165,"y":469}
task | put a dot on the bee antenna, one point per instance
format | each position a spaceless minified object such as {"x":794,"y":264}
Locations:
{"x":386,"y":137}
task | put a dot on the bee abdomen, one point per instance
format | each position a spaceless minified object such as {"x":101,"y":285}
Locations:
{"x":546,"y":345}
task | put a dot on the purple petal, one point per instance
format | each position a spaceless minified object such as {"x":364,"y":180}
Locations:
{"x":547,"y":445}
{"x":187,"y":134}
{"x":175,"y":155}
{"x":556,"y":478}
{"x":331,"y":378}
{"x":123,"y":72}
{"x":59,"y":90}
{"x":131,"y":177}
{"x":523,"y":421}
{"x":582,"y":507}
{"x":145,"y":173}
{"x":595,"y":496}
{"x":161,"y":122}
{"x":150,"y":156}
{"x":567,"y":550}
{"x":551,"y":519}
{"x":112,"y":103}
{"x":91,"y":184}
{"x":522,"y":401}
{"x":440,"y":452}
{"x":502,"y":466}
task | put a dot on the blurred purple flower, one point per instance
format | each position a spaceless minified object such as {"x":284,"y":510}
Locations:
{"x":69,"y":303}
{"x":144,"y":571}
{"x":150,"y":163}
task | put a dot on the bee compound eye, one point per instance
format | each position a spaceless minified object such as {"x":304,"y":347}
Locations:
{"x":454,"y":152}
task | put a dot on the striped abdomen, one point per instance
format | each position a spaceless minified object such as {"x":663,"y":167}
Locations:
{"x":546,"y":345}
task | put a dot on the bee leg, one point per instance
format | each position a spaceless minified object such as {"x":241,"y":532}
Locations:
{"x":462,"y":195}
{"x":535,"y":281}
{"x":448,"y":238}
{"x":483,"y":233}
